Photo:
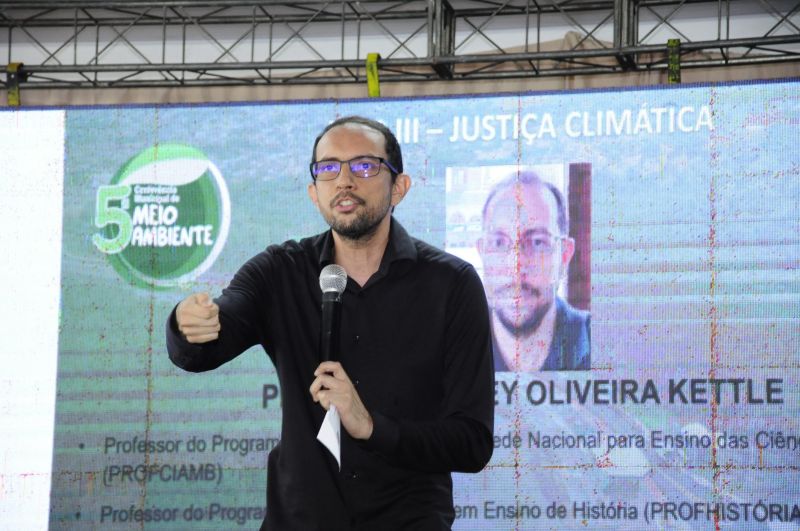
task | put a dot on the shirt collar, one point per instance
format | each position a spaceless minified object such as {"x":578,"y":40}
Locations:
{"x":400,"y":247}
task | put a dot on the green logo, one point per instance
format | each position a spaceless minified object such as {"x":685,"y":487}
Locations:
{"x":165,"y":216}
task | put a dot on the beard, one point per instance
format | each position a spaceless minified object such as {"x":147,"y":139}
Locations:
{"x":366,"y":221}
{"x":525,"y":325}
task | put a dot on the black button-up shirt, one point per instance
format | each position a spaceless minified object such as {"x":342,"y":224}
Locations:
{"x":416,"y":343}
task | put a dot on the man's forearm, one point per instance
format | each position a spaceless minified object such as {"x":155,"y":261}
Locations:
{"x":194,"y":357}
{"x":454,"y":444}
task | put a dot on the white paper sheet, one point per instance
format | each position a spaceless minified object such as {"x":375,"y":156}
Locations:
{"x":330,"y":434}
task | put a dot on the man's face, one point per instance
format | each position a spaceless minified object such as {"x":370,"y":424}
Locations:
{"x":352,"y":206}
{"x":524,"y":255}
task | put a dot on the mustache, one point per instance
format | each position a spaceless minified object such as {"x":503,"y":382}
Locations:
{"x":521,"y":288}
{"x":341,"y":196}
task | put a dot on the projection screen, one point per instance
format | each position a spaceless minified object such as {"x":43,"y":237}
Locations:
{"x":683,"y":206}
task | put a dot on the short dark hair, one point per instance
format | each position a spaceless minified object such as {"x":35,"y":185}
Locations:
{"x":391,"y":145}
{"x":530,"y":178}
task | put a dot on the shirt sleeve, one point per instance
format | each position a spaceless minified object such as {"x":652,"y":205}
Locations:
{"x":461,"y":439}
{"x":240,"y":306}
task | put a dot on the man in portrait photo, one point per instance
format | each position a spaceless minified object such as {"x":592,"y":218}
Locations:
{"x":526,"y":251}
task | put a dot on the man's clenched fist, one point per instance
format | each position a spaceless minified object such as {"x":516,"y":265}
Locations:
{"x":198,"y":318}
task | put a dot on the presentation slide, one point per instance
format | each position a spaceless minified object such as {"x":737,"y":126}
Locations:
{"x":661,"y":392}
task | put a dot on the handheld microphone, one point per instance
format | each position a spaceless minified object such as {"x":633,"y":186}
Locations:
{"x":332,"y":281}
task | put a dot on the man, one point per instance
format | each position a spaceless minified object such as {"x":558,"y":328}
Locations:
{"x":526,"y":251}
{"x":414,"y":385}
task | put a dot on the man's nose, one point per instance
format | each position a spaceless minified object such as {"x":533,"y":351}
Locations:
{"x":345,"y":179}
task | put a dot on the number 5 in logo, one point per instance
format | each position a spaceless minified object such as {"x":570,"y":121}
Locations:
{"x":106,"y":214}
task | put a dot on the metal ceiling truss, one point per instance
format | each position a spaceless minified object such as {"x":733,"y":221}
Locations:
{"x":79,"y":44}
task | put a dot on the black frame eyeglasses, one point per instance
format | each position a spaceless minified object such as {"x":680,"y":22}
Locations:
{"x":363,"y":167}
{"x":530,"y":243}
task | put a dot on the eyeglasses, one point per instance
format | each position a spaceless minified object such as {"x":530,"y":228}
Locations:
{"x":363,"y":167}
{"x":539,"y":243}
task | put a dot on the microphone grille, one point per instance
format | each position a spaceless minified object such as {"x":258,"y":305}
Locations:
{"x":333,"y":278}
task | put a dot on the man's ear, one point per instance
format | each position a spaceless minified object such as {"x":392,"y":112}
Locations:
{"x":567,"y":252}
{"x":312,"y":194}
{"x":400,"y":187}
